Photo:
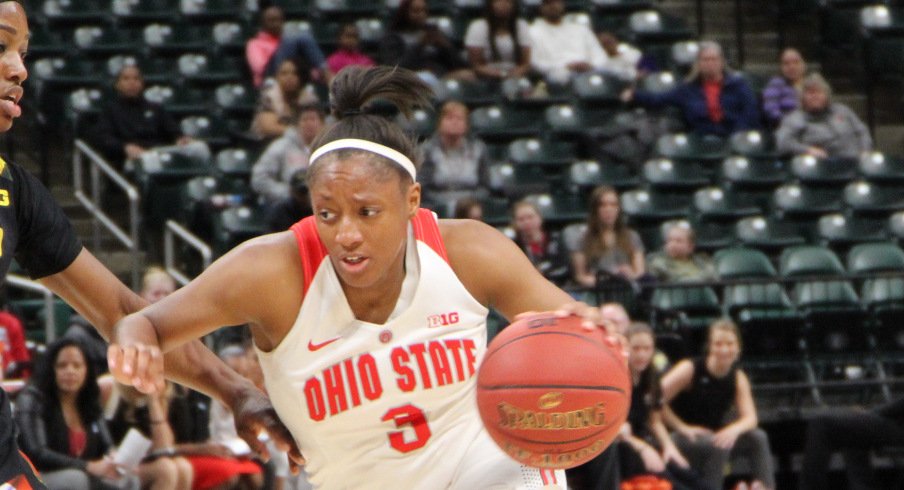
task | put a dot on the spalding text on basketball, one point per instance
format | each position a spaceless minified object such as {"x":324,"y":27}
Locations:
{"x":512,"y":417}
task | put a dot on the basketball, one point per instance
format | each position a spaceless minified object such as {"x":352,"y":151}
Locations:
{"x":551,"y":393}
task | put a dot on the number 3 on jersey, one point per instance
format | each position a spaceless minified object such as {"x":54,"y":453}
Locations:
{"x":410,"y":416}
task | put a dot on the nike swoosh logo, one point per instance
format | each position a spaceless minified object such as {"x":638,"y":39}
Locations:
{"x":315,"y":347}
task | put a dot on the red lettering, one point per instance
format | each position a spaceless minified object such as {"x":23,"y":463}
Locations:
{"x":419,"y":350}
{"x":407,"y":415}
{"x":405,"y":381}
{"x":440,"y":363}
{"x":470,"y":349}
{"x":370,"y":377}
{"x":352,"y":384}
{"x":335,"y":389}
{"x":314,"y":397}
{"x":454,"y":345}
{"x":453,"y":318}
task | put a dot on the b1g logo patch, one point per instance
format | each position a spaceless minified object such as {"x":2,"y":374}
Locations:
{"x":442,"y":320}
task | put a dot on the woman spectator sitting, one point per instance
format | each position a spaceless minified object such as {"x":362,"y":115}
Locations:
{"x":645,"y":443}
{"x":546,"y":250}
{"x":782,"y":94}
{"x":286,"y":155}
{"x":822,"y":128}
{"x":415,"y":44}
{"x":713,"y":100}
{"x":499,"y":44}
{"x":609,"y":245}
{"x":348,"y":52}
{"x":279,"y":102}
{"x":701,"y":394}
{"x":468,"y":208}
{"x":455,"y":163}
{"x":677,"y":260}
{"x":63,"y":431}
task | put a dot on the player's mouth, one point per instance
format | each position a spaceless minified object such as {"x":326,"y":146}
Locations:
{"x":9,"y":102}
{"x":354,"y":263}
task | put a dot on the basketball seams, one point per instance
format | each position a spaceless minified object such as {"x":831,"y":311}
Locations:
{"x":555,"y":386}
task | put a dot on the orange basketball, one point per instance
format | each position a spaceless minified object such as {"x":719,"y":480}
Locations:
{"x":552,"y":394}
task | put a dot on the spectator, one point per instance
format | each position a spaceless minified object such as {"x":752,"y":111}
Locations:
{"x":782,"y":93}
{"x":274,"y":168}
{"x":545,"y":249}
{"x":624,"y":61}
{"x":285,"y":213}
{"x":348,"y":52}
{"x":617,"y":315}
{"x":702,"y":393}
{"x":266,"y":51}
{"x":129,"y":125}
{"x":14,"y":355}
{"x":468,"y":208}
{"x":455,"y":162}
{"x":92,"y":343}
{"x":562,"y":49}
{"x":411,"y":42}
{"x":822,"y":128}
{"x":645,"y":446}
{"x":63,"y":431}
{"x":713,"y":100}
{"x":854,"y":432}
{"x":156,"y":284}
{"x":280,"y":101}
{"x":677,"y":260}
{"x":499,"y":43}
{"x":608,"y":245}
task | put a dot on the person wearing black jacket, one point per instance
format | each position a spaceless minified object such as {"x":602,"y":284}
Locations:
{"x":854,"y":432}
{"x":131,"y":125}
{"x":62,"y":428}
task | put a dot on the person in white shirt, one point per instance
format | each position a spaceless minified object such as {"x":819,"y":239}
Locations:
{"x":623,"y":58}
{"x":499,"y":43}
{"x":561,"y":48}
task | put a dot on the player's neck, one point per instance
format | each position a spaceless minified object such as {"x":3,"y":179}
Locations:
{"x":375,"y":303}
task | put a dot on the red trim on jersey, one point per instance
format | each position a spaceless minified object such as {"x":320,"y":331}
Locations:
{"x":543,"y":477}
{"x":310,"y":248}
{"x":312,"y":251}
{"x":426,"y":229}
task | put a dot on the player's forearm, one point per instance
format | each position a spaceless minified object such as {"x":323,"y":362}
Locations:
{"x":193,"y":365}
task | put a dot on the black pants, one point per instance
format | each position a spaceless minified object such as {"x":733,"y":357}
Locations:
{"x":600,"y":473}
{"x":854,"y":433}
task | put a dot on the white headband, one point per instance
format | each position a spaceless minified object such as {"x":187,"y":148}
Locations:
{"x":383,"y":151}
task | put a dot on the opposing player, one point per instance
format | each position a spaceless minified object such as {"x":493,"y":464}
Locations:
{"x":34,"y":231}
{"x":369,"y":317}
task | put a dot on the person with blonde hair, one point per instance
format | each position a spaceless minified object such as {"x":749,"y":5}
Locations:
{"x":713,"y":99}
{"x":701,"y":394}
{"x":822,"y":127}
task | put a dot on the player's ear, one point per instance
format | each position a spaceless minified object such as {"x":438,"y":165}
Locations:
{"x":413,"y":198}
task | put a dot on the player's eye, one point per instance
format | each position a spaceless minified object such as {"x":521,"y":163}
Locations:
{"x":325,"y":215}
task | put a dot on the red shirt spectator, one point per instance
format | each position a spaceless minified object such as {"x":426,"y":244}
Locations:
{"x":349,"y":53}
{"x":14,"y":351}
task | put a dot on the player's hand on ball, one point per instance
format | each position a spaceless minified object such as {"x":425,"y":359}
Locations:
{"x":137,"y":365}
{"x":254,"y":414}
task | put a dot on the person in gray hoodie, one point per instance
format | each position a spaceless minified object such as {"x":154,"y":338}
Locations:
{"x":286,"y":155}
{"x":821,"y":127}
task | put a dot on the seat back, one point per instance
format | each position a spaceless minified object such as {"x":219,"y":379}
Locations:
{"x":875,"y":257}
{"x":810,"y":260}
{"x":742,"y":262}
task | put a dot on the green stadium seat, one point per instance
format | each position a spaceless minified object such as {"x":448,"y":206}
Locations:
{"x":520,"y":92}
{"x":211,"y":10}
{"x":693,"y":308}
{"x":702,"y":149}
{"x":347,"y":9}
{"x":179,"y":101}
{"x":235,"y":225}
{"x":176,"y":38}
{"x":881,"y":169}
{"x":540,"y":151}
{"x":663,"y":173}
{"x":82,"y":107}
{"x":882,"y":294}
{"x":684,"y":55}
{"x":59,"y":72}
{"x":566,"y":121}
{"x":895,"y":226}
{"x":422,"y":123}
{"x":235,"y":99}
{"x":45,"y":42}
{"x":498,"y":124}
{"x":753,"y":173}
{"x":799,"y":202}
{"x":559,"y":209}
{"x":645,"y":206}
{"x":743,"y":263}
{"x":713,"y":236}
{"x":721,"y":205}
{"x":230,"y":37}
{"x":471,"y":94}
{"x":596,"y":90}
{"x":211,"y":130}
{"x":869,"y":258}
{"x":753,"y":144}
{"x":516,"y":181}
{"x":650,"y":27}
{"x":61,"y":13}
{"x":865,"y":198}
{"x":823,"y":171}
{"x":203,"y":70}
{"x":840,"y":232}
{"x":128,"y":12}
{"x":587,"y":174}
{"x":200,"y":198}
{"x":95,"y":41}
{"x":160,"y":177}
{"x":235,"y":163}
{"x":768,"y":235}
{"x":659,"y":82}
{"x":496,"y":211}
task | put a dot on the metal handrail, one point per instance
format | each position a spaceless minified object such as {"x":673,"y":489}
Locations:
{"x":172,"y":231}
{"x":29,"y":285}
{"x":93,"y":204}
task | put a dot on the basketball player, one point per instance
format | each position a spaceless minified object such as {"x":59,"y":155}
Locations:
{"x":369,"y":317}
{"x":34,"y":231}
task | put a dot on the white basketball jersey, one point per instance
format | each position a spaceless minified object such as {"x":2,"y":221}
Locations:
{"x":392,"y":405}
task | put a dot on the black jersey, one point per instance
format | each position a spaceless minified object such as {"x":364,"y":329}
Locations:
{"x":34,"y":231}
{"x":707,"y":401}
